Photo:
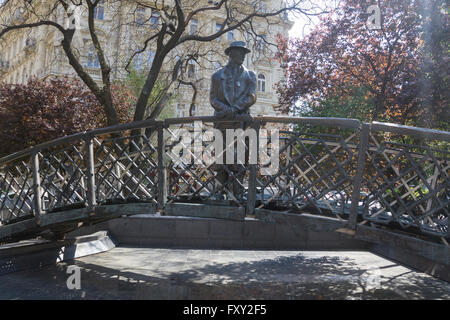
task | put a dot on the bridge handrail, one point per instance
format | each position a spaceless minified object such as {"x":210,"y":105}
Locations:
{"x":335,"y":122}
{"x":320,"y":121}
{"x":78,"y":136}
{"x":409,"y":130}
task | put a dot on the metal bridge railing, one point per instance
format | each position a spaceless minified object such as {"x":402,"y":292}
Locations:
{"x":406,"y":178}
{"x":363,"y":173}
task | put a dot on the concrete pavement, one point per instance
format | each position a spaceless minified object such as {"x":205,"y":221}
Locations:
{"x":159,"y":273}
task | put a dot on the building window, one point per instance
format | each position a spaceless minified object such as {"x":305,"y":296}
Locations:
{"x":92,"y":59}
{"x":230,"y":35}
{"x":140,"y":16}
{"x":261,"y":43}
{"x":194,"y":111}
{"x":181,"y":110}
{"x":191,"y":69}
{"x":154,"y":20}
{"x":218,"y":28}
{"x":194,"y":26}
{"x":139,"y":61}
{"x":143,"y":60}
{"x":261,"y":83}
{"x":99,"y":11}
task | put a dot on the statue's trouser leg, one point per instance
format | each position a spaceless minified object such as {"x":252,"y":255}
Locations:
{"x":223,"y":176}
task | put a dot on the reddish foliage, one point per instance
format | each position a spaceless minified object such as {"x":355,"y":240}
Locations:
{"x":342,"y":54}
{"x":44,"y":110}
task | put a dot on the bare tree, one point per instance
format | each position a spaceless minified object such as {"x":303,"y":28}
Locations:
{"x":174,"y":30}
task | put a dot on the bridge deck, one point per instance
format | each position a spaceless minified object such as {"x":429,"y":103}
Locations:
{"x":152,"y":273}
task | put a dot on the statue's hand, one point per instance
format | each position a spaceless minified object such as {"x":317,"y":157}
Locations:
{"x":229,"y":113}
{"x":252,"y":98}
{"x":237,"y":109}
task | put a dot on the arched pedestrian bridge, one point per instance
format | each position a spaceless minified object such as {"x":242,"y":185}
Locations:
{"x":380,"y":174}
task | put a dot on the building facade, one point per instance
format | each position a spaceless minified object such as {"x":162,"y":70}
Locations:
{"x":121,"y":27}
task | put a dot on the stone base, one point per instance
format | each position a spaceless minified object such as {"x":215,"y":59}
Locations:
{"x":33,"y":254}
{"x":273,"y":230}
{"x":429,"y":257}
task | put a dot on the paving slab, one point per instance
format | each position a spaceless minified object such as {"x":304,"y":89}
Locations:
{"x":160,"y":273}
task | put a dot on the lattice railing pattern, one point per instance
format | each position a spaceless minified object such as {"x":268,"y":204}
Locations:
{"x":408,"y":184}
{"x":315,"y":170}
{"x":377,"y":173}
{"x":196,"y":178}
{"x":63,"y":176}
{"x":126,"y":167}
{"x":16,"y":199}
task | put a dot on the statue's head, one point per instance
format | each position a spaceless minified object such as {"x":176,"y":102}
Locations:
{"x":237,"y":51}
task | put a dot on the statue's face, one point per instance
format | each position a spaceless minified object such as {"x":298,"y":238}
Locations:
{"x":237,"y":55}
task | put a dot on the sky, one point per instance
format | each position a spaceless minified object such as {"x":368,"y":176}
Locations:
{"x":302,"y":25}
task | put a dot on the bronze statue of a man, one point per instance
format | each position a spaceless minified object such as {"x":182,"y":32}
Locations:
{"x":233,"y":92}
{"x":233,"y":87}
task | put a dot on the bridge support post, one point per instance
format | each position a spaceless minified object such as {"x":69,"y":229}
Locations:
{"x":38,"y":210}
{"x":162,"y":173}
{"x":357,"y":181}
{"x":90,"y":172}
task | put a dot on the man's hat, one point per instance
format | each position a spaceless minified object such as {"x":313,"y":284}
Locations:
{"x":237,"y":44}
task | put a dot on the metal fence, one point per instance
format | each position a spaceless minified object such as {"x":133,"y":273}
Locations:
{"x":363,"y":173}
{"x":406,"y":177}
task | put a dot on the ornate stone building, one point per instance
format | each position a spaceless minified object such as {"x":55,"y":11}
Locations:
{"x":121,"y":27}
